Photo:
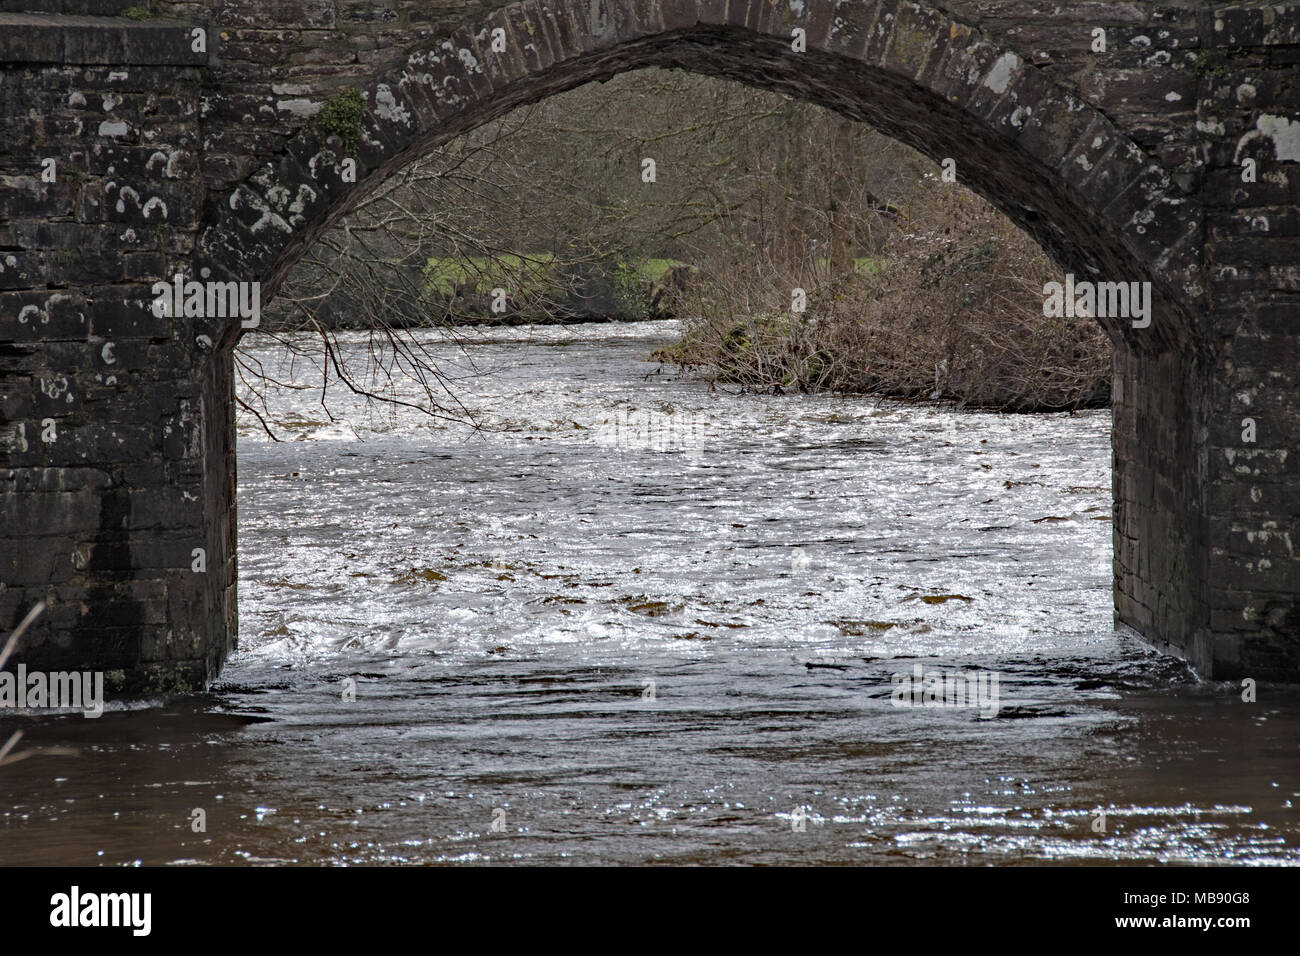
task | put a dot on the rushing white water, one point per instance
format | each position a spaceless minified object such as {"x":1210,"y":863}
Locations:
{"x":598,"y":507}
{"x":628,"y":618}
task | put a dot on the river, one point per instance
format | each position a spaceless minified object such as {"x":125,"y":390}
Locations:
{"x":627,"y":618}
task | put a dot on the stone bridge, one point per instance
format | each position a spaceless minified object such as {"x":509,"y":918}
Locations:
{"x":1136,"y":141}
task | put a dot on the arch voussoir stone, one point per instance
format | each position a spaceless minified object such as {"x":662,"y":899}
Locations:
{"x":842,"y":29}
{"x":465,"y":47}
{"x":965,"y":70}
{"x":569,"y":32}
{"x":709,"y":12}
{"x":568,"y":22}
{"x":448,"y":83}
{"x":529,"y":27}
{"x":635,"y":19}
{"x":920,"y":36}
{"x":502,"y":68}
{"x":1058,"y":131}
{"x":879,"y":36}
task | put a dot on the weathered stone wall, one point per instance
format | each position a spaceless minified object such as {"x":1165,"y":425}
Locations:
{"x":1252,"y":112}
{"x":101,"y":459}
{"x":1126,"y":164}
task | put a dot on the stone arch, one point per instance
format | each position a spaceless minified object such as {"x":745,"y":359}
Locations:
{"x":1056,"y":165}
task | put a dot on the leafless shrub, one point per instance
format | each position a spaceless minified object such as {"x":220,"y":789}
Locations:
{"x":951,"y":311}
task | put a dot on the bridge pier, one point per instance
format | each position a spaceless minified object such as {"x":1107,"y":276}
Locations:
{"x":117,"y":464}
{"x":110,"y":472}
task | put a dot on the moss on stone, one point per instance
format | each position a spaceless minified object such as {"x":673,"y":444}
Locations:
{"x":1201,"y":64}
{"x":137,"y":13}
{"x":341,"y":117}
{"x":911,"y":46}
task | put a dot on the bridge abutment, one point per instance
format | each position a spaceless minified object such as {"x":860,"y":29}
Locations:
{"x":107,"y":472}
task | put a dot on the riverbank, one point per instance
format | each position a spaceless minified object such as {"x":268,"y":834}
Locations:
{"x":508,"y":290}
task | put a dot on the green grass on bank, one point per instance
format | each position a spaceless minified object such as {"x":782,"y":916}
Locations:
{"x":528,"y":276}
{"x":653,"y":270}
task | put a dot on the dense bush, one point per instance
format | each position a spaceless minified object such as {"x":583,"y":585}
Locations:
{"x":950,"y":310}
